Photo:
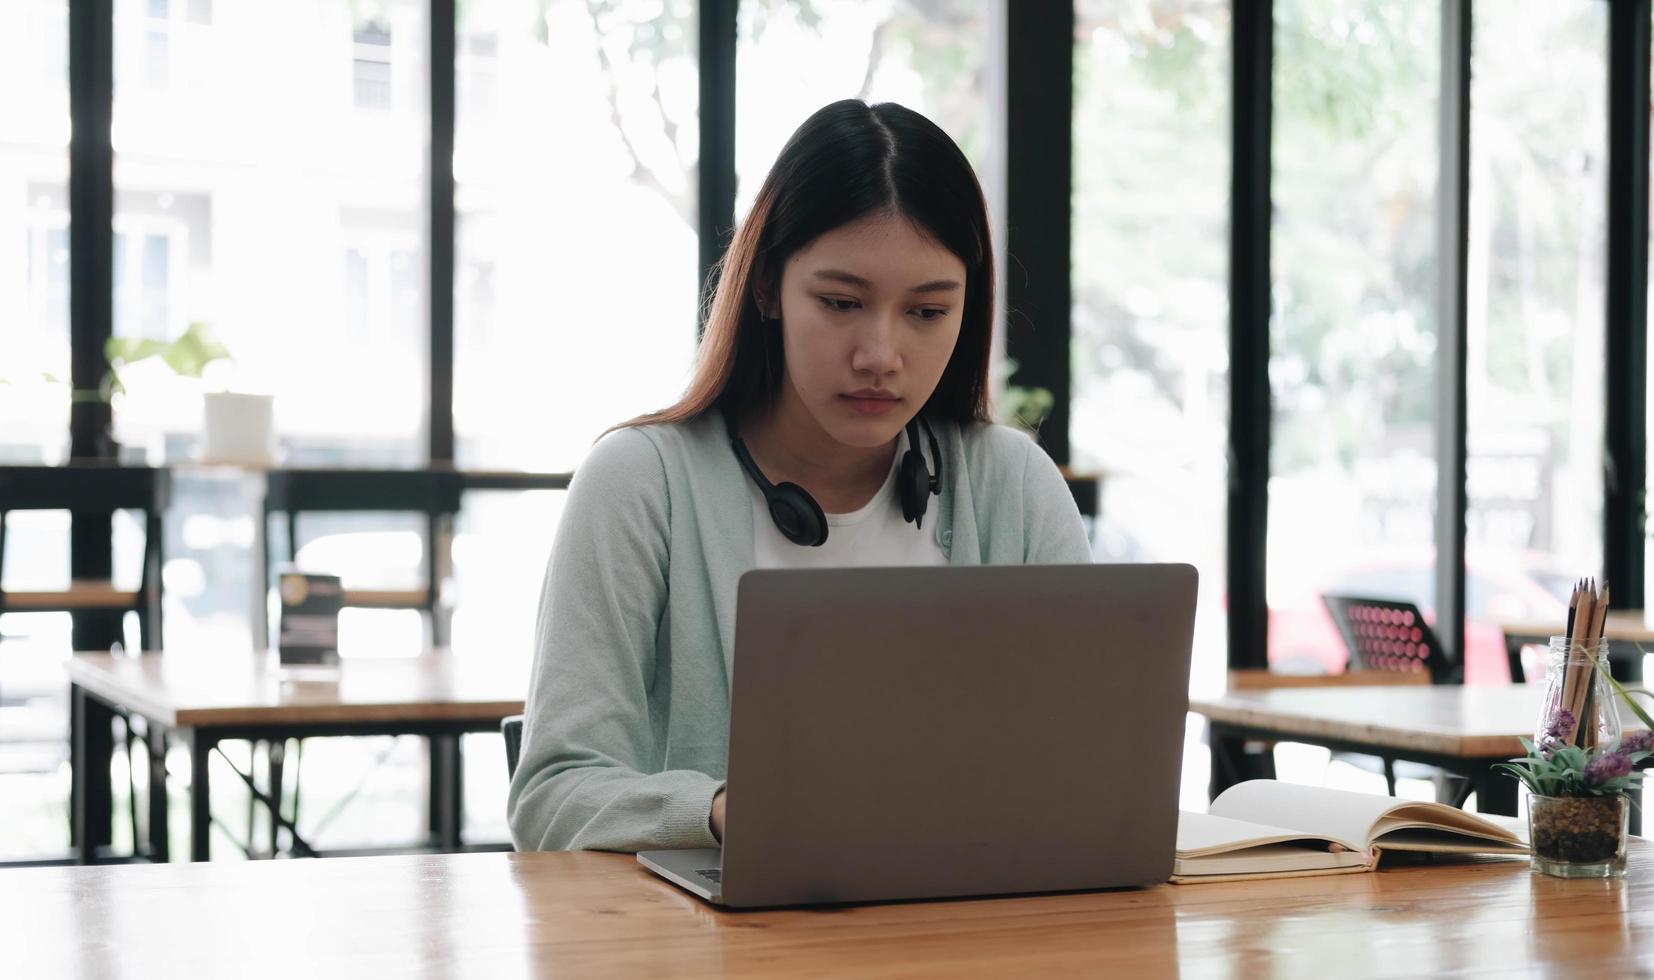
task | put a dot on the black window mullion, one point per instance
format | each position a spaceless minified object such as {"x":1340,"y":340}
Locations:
{"x":91,"y":289}
{"x":715,"y":171}
{"x":1039,"y":99}
{"x":1625,"y":462}
{"x":440,"y":228}
{"x":91,"y":219}
{"x":1249,"y":307}
{"x":1453,"y":245}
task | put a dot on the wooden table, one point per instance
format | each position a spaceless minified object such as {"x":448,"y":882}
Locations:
{"x":208,"y":697}
{"x":1626,"y":631}
{"x":600,"y":915}
{"x":1463,"y":729}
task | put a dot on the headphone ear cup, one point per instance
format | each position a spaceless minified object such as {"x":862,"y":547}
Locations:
{"x":797,"y":515}
{"x":913,"y":484}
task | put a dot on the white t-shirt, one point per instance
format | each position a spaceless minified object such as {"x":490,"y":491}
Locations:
{"x":875,"y":535}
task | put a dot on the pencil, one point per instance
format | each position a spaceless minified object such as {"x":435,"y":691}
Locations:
{"x":1575,"y":681}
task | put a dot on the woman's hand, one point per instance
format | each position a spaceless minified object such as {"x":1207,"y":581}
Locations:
{"x":718,"y":816}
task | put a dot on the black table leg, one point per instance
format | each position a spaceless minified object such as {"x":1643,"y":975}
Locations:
{"x":158,"y":840}
{"x":1625,"y":662}
{"x":91,"y":799}
{"x":200,"y":797}
{"x":276,"y":758}
{"x":446,"y":787}
{"x":1232,"y":762}
{"x":1496,"y":793}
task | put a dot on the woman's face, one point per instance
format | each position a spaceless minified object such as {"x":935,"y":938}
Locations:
{"x":870,"y":313}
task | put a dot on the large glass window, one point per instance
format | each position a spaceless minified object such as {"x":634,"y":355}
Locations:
{"x":1538,"y":194}
{"x":576,"y":289}
{"x":795,"y":56}
{"x":1150,"y":274}
{"x":34,"y":231}
{"x":936,"y":57}
{"x":1354,"y":328}
{"x":280,"y":209}
{"x":34,"y":416}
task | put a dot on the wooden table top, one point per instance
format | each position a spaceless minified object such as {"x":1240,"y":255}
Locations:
{"x":601,"y":915}
{"x":207,"y":689}
{"x":1621,"y":625}
{"x":1468,"y":721}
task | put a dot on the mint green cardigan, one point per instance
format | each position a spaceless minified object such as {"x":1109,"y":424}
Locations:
{"x":627,"y":716}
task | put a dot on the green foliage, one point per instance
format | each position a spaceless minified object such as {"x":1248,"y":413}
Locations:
{"x":365,"y":12}
{"x":188,"y":355}
{"x":1026,"y":408}
{"x":1627,"y":695}
{"x":1563,"y":771}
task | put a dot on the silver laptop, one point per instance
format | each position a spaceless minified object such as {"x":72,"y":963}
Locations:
{"x":902,"y":733}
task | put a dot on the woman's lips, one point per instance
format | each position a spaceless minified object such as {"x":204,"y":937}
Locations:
{"x":871,"y":406}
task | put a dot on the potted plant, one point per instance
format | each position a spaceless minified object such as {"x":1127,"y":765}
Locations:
{"x":1579,"y":802}
{"x":237,"y":427}
{"x":1578,"y":805}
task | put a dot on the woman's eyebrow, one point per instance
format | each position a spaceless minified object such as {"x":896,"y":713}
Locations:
{"x":851,"y":279}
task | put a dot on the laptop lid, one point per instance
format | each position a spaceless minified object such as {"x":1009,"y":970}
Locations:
{"x":930,"y":732}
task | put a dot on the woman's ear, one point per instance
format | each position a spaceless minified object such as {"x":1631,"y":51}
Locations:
{"x":763,"y":294}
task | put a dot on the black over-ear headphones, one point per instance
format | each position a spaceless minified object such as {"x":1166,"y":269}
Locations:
{"x":801,"y":520}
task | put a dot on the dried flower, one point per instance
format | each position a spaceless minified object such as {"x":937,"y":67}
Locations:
{"x":1562,"y":723}
{"x":1642,"y":741}
{"x":1609,"y":765}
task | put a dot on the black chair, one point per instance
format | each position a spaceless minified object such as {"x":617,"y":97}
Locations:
{"x":434,"y":494}
{"x":512,"y":729}
{"x":92,"y":490}
{"x":1391,"y":636}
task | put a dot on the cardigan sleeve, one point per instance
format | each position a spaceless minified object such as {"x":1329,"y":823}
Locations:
{"x":588,"y":778}
{"x":1053,"y":533}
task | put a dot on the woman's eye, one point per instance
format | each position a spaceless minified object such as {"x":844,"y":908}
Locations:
{"x":931,"y":313}
{"x":838,"y":305}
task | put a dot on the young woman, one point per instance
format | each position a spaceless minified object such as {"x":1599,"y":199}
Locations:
{"x":841,"y":384}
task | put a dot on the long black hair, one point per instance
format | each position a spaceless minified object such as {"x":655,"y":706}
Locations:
{"x":848,"y":161}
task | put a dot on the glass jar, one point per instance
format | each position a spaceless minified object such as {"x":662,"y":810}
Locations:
{"x":1579,"y":706}
{"x":1579,"y":836}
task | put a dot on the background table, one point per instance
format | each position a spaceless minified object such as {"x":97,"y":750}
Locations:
{"x":1626,"y":631}
{"x":1464,"y":729}
{"x":600,"y":915}
{"x":208,"y":696}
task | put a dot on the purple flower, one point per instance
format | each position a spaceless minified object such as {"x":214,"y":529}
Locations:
{"x":1562,"y":723}
{"x":1609,"y":765}
{"x":1555,"y":735}
{"x":1642,"y":741}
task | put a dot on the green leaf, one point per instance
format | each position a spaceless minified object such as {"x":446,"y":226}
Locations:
{"x":126,"y":350}
{"x":1521,"y":774}
{"x":1625,"y":695}
{"x":191,"y":353}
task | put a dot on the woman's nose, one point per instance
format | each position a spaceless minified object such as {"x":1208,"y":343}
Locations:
{"x":876,"y":351}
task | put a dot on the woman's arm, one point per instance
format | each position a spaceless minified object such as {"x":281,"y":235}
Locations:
{"x":1053,"y":532}
{"x":587,"y":779}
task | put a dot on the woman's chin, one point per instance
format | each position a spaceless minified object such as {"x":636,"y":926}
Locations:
{"x":867,"y":433}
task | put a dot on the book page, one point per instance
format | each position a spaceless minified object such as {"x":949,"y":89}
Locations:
{"x":1267,"y":860}
{"x":1204,"y":834}
{"x":1361,"y":817}
{"x":1416,"y":826}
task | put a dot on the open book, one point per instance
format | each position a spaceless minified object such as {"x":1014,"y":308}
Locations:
{"x":1268,"y":829}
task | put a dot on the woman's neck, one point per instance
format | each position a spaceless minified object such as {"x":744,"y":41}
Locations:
{"x":790,"y":447}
